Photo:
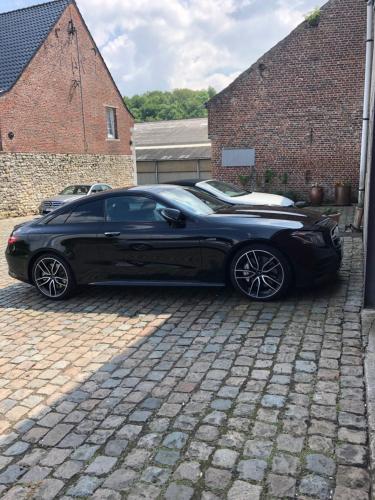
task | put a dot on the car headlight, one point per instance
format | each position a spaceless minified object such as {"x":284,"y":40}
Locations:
{"x":313,"y":238}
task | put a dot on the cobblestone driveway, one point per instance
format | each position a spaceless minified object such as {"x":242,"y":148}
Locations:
{"x":183,"y":394}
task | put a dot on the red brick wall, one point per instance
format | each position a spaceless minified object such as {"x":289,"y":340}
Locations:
{"x":45,"y":109}
{"x":300,"y":105}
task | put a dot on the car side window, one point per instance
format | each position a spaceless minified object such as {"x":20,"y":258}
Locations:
{"x":96,"y":189}
{"x":133,"y":209}
{"x":58,"y":219}
{"x":91,"y":211}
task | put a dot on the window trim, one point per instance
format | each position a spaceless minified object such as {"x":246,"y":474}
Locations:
{"x":108,"y":110}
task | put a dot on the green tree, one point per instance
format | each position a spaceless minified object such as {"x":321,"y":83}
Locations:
{"x":170,"y":105}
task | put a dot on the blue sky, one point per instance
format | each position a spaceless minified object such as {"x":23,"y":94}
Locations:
{"x":165,"y":44}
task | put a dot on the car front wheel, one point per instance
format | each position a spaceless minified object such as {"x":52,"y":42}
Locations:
{"x":53,"y":277}
{"x":260,"y":272}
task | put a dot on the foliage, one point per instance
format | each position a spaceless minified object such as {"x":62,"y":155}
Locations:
{"x":244,"y":180}
{"x":313,"y":17}
{"x":174,"y":105}
{"x":284,"y":178}
{"x":269,"y":176}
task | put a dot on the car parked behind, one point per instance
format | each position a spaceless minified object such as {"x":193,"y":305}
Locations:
{"x":71,"y":193}
{"x":234,"y":195}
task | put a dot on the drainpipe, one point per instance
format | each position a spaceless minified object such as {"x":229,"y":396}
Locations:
{"x":366,"y":112}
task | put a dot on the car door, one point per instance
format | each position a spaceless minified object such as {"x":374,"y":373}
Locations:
{"x":137,"y":243}
{"x":73,"y":234}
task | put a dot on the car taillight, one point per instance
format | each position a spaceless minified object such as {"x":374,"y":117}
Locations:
{"x":12,"y":240}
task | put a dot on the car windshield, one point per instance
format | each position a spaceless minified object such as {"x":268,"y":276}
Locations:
{"x":78,"y":189}
{"x":227,"y":189}
{"x":193,"y":200}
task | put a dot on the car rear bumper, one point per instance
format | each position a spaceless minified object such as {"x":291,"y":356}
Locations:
{"x":17,"y":267}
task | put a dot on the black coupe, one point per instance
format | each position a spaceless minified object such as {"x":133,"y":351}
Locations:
{"x":172,"y":236}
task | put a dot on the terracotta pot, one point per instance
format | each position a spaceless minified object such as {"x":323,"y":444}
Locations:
{"x":316,"y":195}
{"x":343,"y":195}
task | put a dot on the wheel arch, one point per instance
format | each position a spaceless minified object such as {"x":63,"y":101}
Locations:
{"x":244,"y":244}
{"x":44,"y":251}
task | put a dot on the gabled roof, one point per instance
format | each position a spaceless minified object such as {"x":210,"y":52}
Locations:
{"x":171,"y":132}
{"x":22,"y":32}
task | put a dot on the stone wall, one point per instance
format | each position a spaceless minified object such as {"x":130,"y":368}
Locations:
{"x":26,"y":179}
{"x":299,"y":105}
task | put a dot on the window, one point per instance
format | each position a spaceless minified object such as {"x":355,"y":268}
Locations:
{"x":91,"y":211}
{"x":111,"y":123}
{"x":78,"y":189}
{"x":58,"y":219}
{"x":133,"y":209}
{"x":193,"y":200}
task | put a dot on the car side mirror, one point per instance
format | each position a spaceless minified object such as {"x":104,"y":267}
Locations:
{"x":173,"y":216}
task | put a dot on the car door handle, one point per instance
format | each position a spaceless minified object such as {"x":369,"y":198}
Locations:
{"x":111,"y":234}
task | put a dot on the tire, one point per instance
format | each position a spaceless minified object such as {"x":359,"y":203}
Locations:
{"x":260,"y":272}
{"x":53,"y":277}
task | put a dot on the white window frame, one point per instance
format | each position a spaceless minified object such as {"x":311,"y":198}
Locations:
{"x":111,"y":120}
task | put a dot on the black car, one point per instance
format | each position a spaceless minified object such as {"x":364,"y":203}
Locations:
{"x":172,"y":236}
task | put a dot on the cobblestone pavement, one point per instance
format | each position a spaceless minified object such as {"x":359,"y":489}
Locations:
{"x":179,"y":394}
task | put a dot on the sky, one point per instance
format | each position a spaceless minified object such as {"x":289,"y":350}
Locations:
{"x":167,"y":44}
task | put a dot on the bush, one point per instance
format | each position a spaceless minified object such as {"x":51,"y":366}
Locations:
{"x":313,"y":17}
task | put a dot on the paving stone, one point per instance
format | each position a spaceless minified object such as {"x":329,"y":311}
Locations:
{"x":101,"y":465}
{"x":244,"y":491}
{"x":225,"y":458}
{"x":273,"y":401}
{"x":258,"y":448}
{"x":320,"y":464}
{"x":342,"y":493}
{"x":353,"y":477}
{"x":293,"y":444}
{"x":11,"y":474}
{"x":189,"y":471}
{"x":105,"y":494}
{"x":84,"y":452}
{"x":85,"y":486}
{"x":284,"y":464}
{"x":281,"y":486}
{"x":178,"y":492}
{"x":49,"y":489}
{"x":167,"y":457}
{"x":175,"y":440}
{"x":199,"y":451}
{"x":156,"y":475}
{"x":144,"y":491}
{"x":351,"y":454}
{"x":120,"y":480}
{"x":252,"y":469}
{"x":68,"y":469}
{"x":217,"y":479}
{"x":315,"y":486}
{"x":116,"y":447}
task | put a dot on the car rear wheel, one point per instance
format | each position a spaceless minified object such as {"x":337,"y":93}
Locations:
{"x":260,"y":272}
{"x":53,"y":277}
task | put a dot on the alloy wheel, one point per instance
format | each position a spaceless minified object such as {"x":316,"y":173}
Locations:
{"x":259,"y":274}
{"x":51,"y":277}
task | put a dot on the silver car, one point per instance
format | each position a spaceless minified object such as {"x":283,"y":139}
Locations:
{"x":71,"y":193}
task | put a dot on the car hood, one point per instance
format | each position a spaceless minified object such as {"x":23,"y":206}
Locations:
{"x":64,"y":198}
{"x":264,"y":199}
{"x":288,"y":217}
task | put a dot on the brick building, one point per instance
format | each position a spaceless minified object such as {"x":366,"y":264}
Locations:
{"x":62,"y":118}
{"x":298,"y":109}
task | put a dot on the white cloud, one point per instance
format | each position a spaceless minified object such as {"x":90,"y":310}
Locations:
{"x":164,"y":44}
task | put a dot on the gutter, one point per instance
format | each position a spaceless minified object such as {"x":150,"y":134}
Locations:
{"x":366,"y":112}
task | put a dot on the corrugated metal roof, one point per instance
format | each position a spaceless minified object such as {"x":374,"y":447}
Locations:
{"x":21,"y":34}
{"x":168,"y":154}
{"x":171,"y":132}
